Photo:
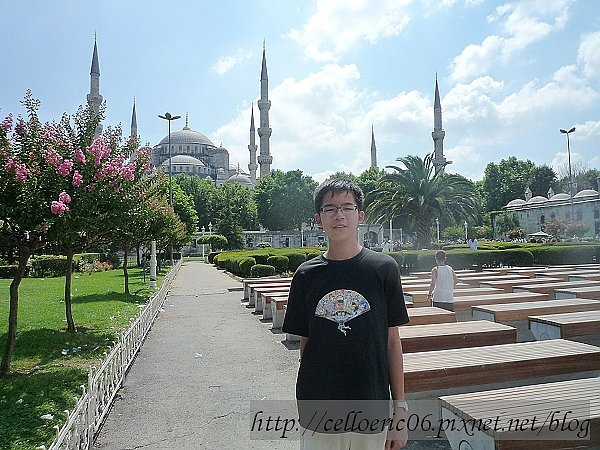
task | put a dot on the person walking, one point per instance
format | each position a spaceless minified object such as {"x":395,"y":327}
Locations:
{"x":443,"y":280}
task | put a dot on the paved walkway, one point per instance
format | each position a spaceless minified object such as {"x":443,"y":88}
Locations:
{"x":206,"y":357}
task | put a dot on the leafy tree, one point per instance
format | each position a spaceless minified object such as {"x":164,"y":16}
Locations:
{"x":510,"y":178}
{"x":505,"y":222}
{"x":216,"y":241}
{"x":453,"y":233}
{"x":183,"y":205}
{"x":204,"y":194}
{"x":416,"y":192}
{"x":370,"y":179}
{"x":285,"y":200}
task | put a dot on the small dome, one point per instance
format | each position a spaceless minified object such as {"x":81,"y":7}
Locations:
{"x":240,"y":179}
{"x":559,"y":197}
{"x":538,"y":199}
{"x":184,"y":160}
{"x":586,"y":193}
{"x":516,"y":202}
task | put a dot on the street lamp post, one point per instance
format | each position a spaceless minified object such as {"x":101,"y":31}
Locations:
{"x":203,"y":231}
{"x":168,"y":117}
{"x":572,"y":130}
{"x":437,"y":224}
{"x":466,"y":231}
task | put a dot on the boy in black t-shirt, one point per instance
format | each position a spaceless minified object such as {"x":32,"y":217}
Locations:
{"x":346,"y":305}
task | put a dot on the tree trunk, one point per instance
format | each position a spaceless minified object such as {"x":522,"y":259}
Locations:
{"x":24,"y":253}
{"x":68,"y":278}
{"x":423,"y":233}
{"x":125,"y":272}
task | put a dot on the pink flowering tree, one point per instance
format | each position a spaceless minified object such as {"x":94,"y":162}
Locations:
{"x":59,"y":188}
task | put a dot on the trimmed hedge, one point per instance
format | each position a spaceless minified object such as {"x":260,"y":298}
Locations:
{"x":245,"y":265}
{"x":48,"y":266}
{"x":8,"y":271}
{"x":280,"y":262}
{"x":424,"y":260}
{"x":562,"y":254}
{"x":262,"y":270}
{"x":294,"y":260}
{"x":211,"y":256}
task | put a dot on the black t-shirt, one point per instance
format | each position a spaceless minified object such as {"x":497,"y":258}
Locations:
{"x":345,"y":308}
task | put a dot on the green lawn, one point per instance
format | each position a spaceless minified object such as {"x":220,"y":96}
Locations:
{"x":50,"y":364}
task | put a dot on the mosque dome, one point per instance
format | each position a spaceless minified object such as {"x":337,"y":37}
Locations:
{"x":537,"y":199}
{"x":559,"y":197}
{"x":240,"y":179}
{"x":516,"y":202}
{"x":183,"y":160}
{"x":187,"y":136}
{"x":586,"y":193}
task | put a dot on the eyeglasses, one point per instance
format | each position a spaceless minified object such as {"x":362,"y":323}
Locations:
{"x":332,"y":210}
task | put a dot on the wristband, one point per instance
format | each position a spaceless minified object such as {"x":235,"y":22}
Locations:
{"x":401,"y":404}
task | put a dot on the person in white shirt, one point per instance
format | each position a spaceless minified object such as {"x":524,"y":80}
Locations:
{"x":443,"y":280}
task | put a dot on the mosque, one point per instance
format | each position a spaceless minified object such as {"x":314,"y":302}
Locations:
{"x":195,"y":154}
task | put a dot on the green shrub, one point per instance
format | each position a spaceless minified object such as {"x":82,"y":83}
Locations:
{"x":216,"y":241}
{"x":8,"y":271}
{"x":245,"y":265}
{"x":295,"y":259}
{"x":398,"y":257}
{"x":211,"y":256}
{"x":261,"y":258}
{"x":113,"y":259}
{"x":563,"y":254}
{"x":262,"y":270}
{"x":312,"y":254}
{"x":279,"y":262}
{"x":48,"y":266}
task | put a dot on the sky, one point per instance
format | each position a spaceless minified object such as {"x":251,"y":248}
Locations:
{"x":510,"y":74}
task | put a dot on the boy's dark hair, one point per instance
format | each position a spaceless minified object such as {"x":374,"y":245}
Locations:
{"x":440,"y":255}
{"x":335,"y":186}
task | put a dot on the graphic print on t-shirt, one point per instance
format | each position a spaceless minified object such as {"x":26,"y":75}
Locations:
{"x":341,"y":306}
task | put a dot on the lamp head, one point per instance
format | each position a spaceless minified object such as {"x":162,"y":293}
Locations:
{"x":571,"y":130}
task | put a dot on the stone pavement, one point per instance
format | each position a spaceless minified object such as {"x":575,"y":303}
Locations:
{"x":206,"y":357}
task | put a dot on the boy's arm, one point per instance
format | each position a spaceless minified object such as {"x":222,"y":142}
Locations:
{"x":396,"y":374}
{"x":433,"y":281}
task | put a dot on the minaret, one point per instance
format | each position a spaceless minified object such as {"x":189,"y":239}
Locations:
{"x":439,"y":162}
{"x":252,"y":147}
{"x":94,"y":99}
{"x":264,"y":131}
{"x":134,"y":130}
{"x":373,"y":150}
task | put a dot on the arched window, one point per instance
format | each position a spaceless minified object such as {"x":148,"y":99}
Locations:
{"x":542,"y":219}
{"x":596,"y":214}
{"x":579,"y":215}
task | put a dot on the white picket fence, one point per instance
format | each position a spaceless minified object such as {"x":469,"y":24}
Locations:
{"x":91,"y":408}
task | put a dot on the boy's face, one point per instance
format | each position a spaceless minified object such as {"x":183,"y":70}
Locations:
{"x":340,"y":225}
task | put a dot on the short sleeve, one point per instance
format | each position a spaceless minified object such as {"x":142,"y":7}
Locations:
{"x":296,"y":319}
{"x":396,"y":308}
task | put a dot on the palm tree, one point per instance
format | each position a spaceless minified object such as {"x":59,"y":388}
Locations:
{"x":418,"y":194}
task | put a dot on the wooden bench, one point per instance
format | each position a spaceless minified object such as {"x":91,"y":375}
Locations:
{"x":468,"y":368}
{"x":420,"y":296}
{"x":549,"y":288}
{"x":424,"y":315}
{"x":592,"y":292}
{"x":565,"y":325}
{"x":260,"y":291}
{"x":248,"y":283}
{"x":441,"y":336}
{"x":462,"y":305}
{"x":585,"y":277}
{"x":500,"y":409}
{"x":521,"y":311}
{"x":507,"y":285}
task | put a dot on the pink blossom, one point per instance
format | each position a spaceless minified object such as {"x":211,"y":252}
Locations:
{"x":6,"y":124}
{"x":10,"y":164}
{"x":21,"y":127}
{"x":79,"y":156}
{"x":128,"y":172}
{"x":65,"y":168}
{"x":21,"y":173}
{"x":99,"y":150}
{"x":53,"y":157}
{"x":77,"y":179}
{"x":58,"y":208}
{"x":64,"y":197}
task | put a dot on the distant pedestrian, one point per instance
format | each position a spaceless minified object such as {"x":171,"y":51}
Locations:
{"x":473,"y":242}
{"x":443,"y":280}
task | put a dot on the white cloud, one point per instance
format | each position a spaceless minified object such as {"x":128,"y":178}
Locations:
{"x":466,"y":160}
{"x":587,"y":131}
{"x":522,"y":23}
{"x":226,"y":63}
{"x":339,"y":25}
{"x":589,"y":54}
